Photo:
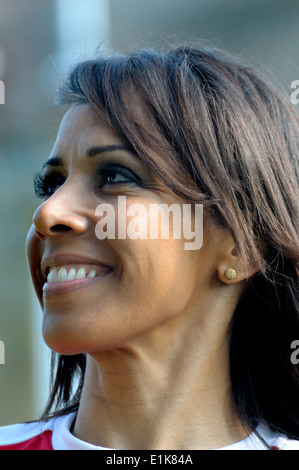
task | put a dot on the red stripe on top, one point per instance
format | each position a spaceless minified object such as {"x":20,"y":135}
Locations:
{"x":41,"y":442}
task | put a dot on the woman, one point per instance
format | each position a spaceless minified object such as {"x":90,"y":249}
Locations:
{"x":168,"y":347}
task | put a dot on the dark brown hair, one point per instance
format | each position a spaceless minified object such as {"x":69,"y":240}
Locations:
{"x":217,"y":134}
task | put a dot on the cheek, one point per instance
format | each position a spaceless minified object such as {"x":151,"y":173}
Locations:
{"x":33,"y":255}
{"x":157,"y":254}
{"x":30,"y":244}
{"x":158,"y":281}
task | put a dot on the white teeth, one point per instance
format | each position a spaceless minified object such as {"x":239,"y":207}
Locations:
{"x":81,"y":273}
{"x":52,"y":276}
{"x":71,"y":275}
{"x":61,"y":274}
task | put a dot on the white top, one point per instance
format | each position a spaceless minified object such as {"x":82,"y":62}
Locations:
{"x":60,"y":437}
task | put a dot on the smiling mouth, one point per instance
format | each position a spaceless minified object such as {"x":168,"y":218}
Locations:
{"x":67,"y":278}
{"x":70,"y":273}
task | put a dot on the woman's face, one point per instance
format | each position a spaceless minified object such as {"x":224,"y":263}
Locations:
{"x":114,"y":289}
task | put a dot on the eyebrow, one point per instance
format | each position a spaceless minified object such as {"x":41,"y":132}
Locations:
{"x":91,"y":152}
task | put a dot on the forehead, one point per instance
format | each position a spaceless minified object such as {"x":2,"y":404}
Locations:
{"x":81,"y":122}
{"x":83,"y":133}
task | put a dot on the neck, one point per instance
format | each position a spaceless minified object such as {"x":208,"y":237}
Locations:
{"x":166,"y":392}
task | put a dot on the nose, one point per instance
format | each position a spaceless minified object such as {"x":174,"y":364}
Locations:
{"x":59,"y":214}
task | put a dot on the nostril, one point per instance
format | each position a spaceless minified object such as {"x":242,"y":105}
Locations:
{"x":60,"y":228}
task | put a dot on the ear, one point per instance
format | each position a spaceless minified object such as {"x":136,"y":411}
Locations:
{"x":231,"y":269}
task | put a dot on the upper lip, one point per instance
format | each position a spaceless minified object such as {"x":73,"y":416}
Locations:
{"x":62,"y":259}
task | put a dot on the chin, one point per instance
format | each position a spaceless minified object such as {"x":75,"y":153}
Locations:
{"x":61,"y":338}
{"x":59,"y":346}
{"x":68,"y":337}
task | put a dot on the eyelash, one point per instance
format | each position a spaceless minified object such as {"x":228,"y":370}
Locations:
{"x":46,"y":185}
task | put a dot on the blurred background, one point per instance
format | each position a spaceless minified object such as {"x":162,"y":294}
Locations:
{"x":39,"y":41}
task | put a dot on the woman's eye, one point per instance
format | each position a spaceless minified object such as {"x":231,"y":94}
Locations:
{"x":116,"y":175}
{"x":46,"y":185}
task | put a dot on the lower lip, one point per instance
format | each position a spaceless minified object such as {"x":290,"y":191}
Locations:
{"x":58,"y":288}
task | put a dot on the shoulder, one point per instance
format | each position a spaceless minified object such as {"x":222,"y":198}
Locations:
{"x":284,"y":443}
{"x":53,"y":434}
{"x":277,"y":440}
{"x":263,"y":438}
{"x":27,"y":436}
